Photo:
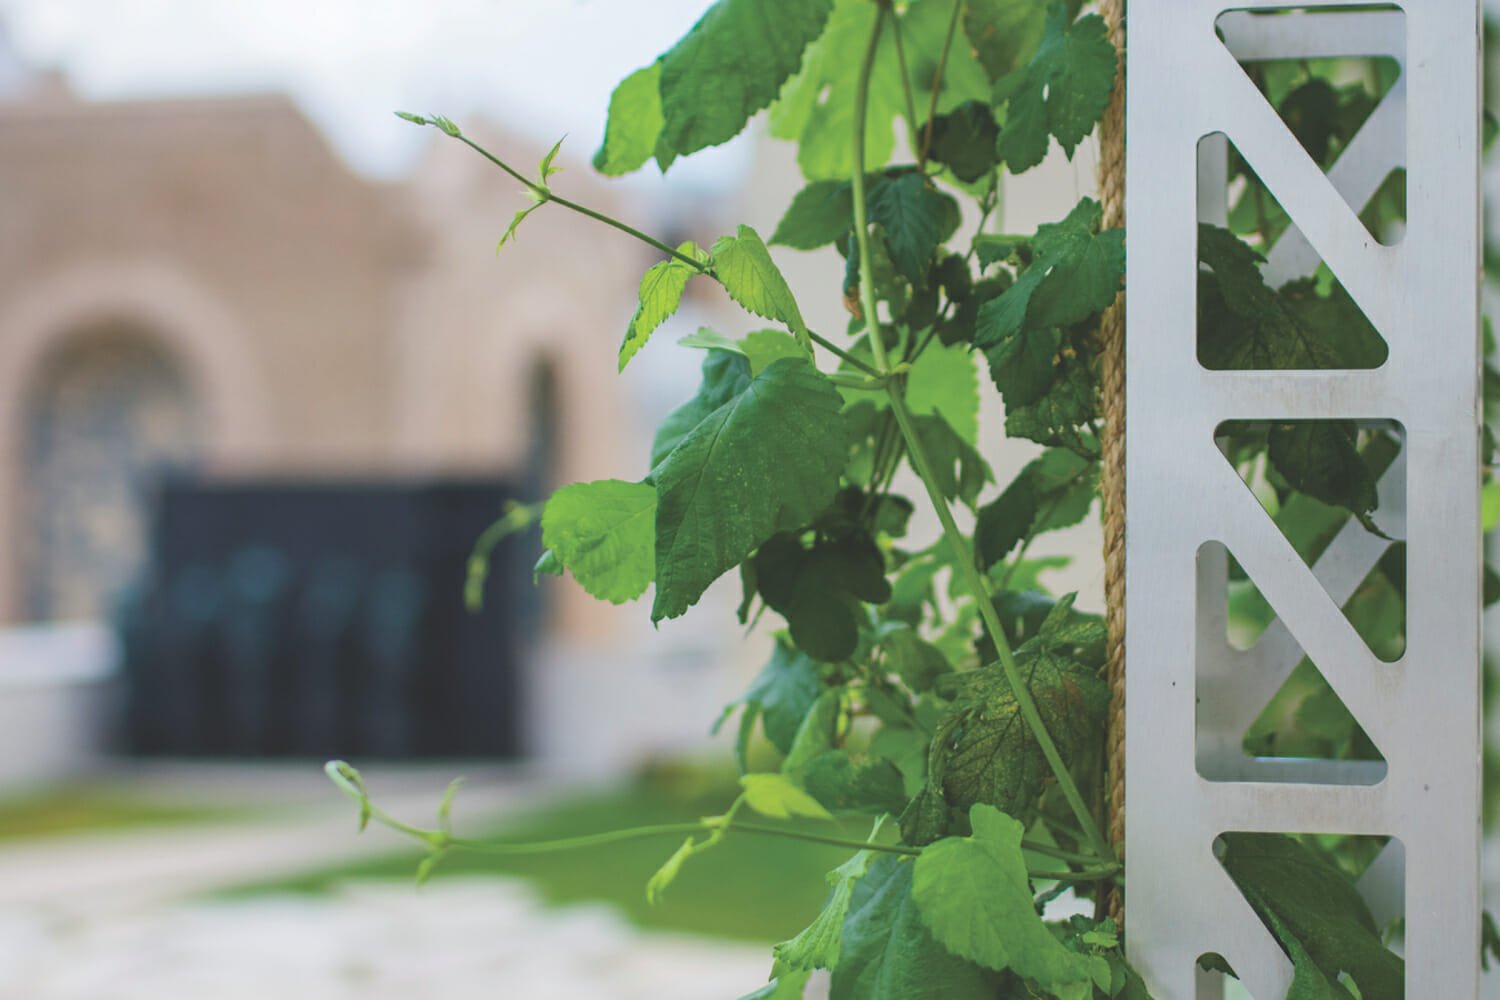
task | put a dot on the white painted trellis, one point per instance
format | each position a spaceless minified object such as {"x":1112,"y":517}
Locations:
{"x":1190,"y":695}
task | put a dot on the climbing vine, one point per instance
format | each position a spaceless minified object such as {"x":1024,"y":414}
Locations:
{"x":933,"y":685}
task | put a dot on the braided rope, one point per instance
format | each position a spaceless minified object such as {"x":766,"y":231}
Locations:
{"x":1112,"y":474}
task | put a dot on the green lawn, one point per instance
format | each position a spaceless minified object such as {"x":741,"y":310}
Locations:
{"x":750,"y":887}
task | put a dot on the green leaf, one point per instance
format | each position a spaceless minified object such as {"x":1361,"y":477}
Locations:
{"x":768,"y":457}
{"x":1062,"y":90}
{"x":751,"y":278}
{"x":1005,"y":521}
{"x":964,"y":140}
{"x":818,"y":590}
{"x":857,"y":782}
{"x":917,"y":662}
{"x":604,"y":532}
{"x":777,"y":796}
{"x":711,"y":340}
{"x":917,"y":217}
{"x":816,"y":734}
{"x":943,"y":382}
{"x":660,"y":295}
{"x":817,"y":946}
{"x":820,"y":213}
{"x":635,"y":122}
{"x":1058,"y":418}
{"x":1489,"y":497}
{"x":764,"y":346}
{"x":984,"y":752}
{"x":1321,"y":459}
{"x":729,"y":66}
{"x":1005,"y":34}
{"x":781,"y":695}
{"x":887,"y":952}
{"x":973,"y":893}
{"x":515,"y":224}
{"x":545,"y":169}
{"x":960,"y":471}
{"x":1315,"y":912}
{"x":725,"y":376}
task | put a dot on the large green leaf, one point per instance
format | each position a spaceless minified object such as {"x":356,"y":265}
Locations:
{"x":1315,"y":912}
{"x":769,"y":457}
{"x":781,"y":695}
{"x":887,"y":952}
{"x":959,"y":470}
{"x":634,"y":123}
{"x":820,"y":213}
{"x":817,"y":105}
{"x":1004,"y":521}
{"x":984,"y":752}
{"x":1005,"y":34}
{"x":729,"y":66}
{"x":1061,"y":91}
{"x":660,"y":295}
{"x":725,"y":376}
{"x":917,"y":217}
{"x":858,"y":782}
{"x":818,"y":589}
{"x":974,"y":895}
{"x":751,"y":278}
{"x":604,"y":531}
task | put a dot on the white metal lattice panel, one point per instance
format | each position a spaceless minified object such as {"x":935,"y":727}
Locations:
{"x":1190,"y":695}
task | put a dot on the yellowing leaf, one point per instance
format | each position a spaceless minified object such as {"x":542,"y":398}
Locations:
{"x":775,"y":795}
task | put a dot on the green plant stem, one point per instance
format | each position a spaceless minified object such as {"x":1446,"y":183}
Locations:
{"x":844,"y":355}
{"x":544,"y":194}
{"x":1086,"y":875}
{"x":963,"y":556}
{"x":937,"y":86}
{"x":911,"y":105}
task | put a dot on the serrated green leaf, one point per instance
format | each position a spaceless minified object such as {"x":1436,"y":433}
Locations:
{"x":964,"y":140}
{"x":729,"y":66}
{"x":1004,"y":521}
{"x":817,"y":946}
{"x":1061,"y":91}
{"x":917,"y":662}
{"x":604,"y":532}
{"x":1085,"y":271}
{"x":1321,"y":459}
{"x":664,"y":876}
{"x":1059,"y":417}
{"x":917,"y":217}
{"x":973,"y":893}
{"x":820,"y":213}
{"x":777,"y":796}
{"x":764,"y":346}
{"x":984,"y":752}
{"x":1005,"y":33}
{"x":818,"y":589}
{"x":634,"y":124}
{"x":725,"y":375}
{"x":959,"y":470}
{"x":1316,"y":913}
{"x":660,"y":295}
{"x":751,"y":278}
{"x":887,"y":953}
{"x":782,"y":694}
{"x":769,"y":456}
{"x":858,"y":782}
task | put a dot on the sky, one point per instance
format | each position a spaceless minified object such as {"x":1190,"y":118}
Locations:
{"x":546,"y":67}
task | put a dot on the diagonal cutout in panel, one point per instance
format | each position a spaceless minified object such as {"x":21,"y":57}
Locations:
{"x":1334,"y":904}
{"x":1252,"y":314}
{"x":1336,"y":492}
{"x":1333,"y":76}
{"x":1335,"y":489}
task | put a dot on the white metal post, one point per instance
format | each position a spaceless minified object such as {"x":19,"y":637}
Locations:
{"x":1190,"y":696}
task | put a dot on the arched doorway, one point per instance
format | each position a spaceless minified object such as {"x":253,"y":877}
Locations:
{"x":108,"y":414}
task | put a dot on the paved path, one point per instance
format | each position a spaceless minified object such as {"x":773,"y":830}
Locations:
{"x":122,"y":916}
